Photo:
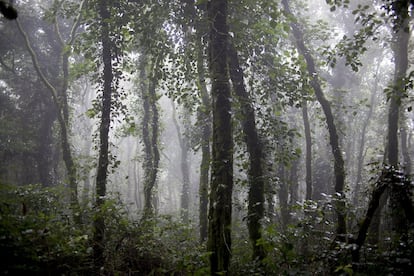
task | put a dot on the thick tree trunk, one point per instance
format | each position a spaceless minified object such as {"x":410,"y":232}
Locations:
{"x":219,"y":231}
{"x":255,"y":150}
{"x":103,"y":161}
{"x":333,"y":133}
{"x":401,"y":38}
{"x":204,"y":118}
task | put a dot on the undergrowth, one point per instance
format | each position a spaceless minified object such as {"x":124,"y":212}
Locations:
{"x":39,"y":237}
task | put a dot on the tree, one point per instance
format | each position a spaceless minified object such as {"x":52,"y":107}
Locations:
{"x":221,"y":186}
{"x":401,"y":37}
{"x":27,"y":147}
{"x":333,"y":133}
{"x":255,"y":150}
{"x":183,"y":141}
{"x":398,"y":9}
{"x":102,"y":170}
{"x":308,"y":141}
{"x":203,"y":112}
{"x":59,"y":96}
{"x":149,"y":131}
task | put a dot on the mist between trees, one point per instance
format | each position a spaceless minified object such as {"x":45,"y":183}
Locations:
{"x":207,"y":137}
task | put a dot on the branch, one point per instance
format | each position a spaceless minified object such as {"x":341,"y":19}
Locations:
{"x":75,"y":26}
{"x":76,"y":23}
{"x":36,"y":65}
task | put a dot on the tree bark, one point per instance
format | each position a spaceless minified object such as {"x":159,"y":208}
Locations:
{"x":185,"y":173}
{"x":204,"y":114}
{"x":221,"y":187}
{"x":374,"y":203}
{"x":401,"y":39}
{"x":308,"y":158}
{"x":405,"y":148}
{"x":59,"y":97}
{"x":103,"y":161}
{"x":154,"y":137}
{"x":333,"y":133}
{"x":150,"y":131}
{"x":255,"y":211}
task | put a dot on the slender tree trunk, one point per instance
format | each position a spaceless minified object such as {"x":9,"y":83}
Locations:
{"x":150,"y":124}
{"x":45,"y":142}
{"x":204,"y":115}
{"x":283,"y":194}
{"x":255,"y":150}
{"x":137,"y":182}
{"x":146,"y":139}
{"x":333,"y":133}
{"x":360,"y":158}
{"x":373,"y":206}
{"x":219,"y":231}
{"x":61,"y":106}
{"x":103,"y":161}
{"x":294,"y":182}
{"x":405,"y":148}
{"x":154,"y":137}
{"x":185,"y":173}
{"x":308,"y":158}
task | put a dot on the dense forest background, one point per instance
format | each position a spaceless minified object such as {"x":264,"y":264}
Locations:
{"x":183,"y":137}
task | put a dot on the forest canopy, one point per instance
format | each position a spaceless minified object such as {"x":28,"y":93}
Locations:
{"x":206,"y":137}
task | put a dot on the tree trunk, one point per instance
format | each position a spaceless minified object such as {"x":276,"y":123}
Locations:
{"x":221,"y":187}
{"x":255,"y":150}
{"x":185,"y":173}
{"x":360,"y":158}
{"x":102,"y":170}
{"x":45,"y":146}
{"x":204,"y":114}
{"x":60,"y":100}
{"x":333,"y":133}
{"x":137,"y":182}
{"x":308,"y":158}
{"x":405,"y":148}
{"x":149,"y":136}
{"x":294,"y":182}
{"x":373,"y":206}
{"x":283,"y":194}
{"x":154,"y":136}
{"x":401,"y":38}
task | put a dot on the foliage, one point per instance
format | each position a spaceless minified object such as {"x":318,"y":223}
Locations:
{"x":37,"y":232}
{"x":37,"y":235}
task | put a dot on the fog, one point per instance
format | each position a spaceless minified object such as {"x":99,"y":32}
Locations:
{"x":207,"y":137}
